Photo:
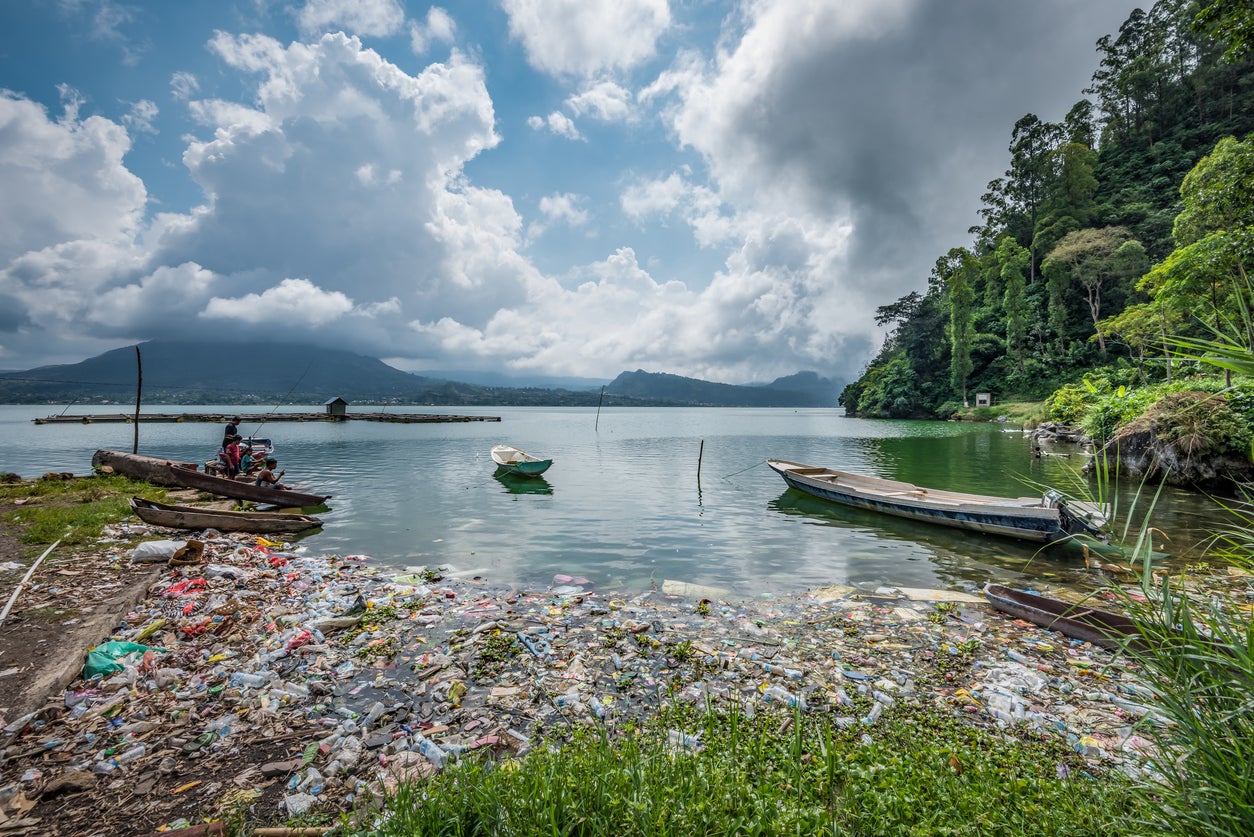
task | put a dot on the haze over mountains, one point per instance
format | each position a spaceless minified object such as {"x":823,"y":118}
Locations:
{"x":261,"y":373}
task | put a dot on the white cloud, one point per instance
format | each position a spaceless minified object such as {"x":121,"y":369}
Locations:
{"x":141,"y":116}
{"x":63,"y":180}
{"x":557,"y":122}
{"x":183,"y":86}
{"x":293,"y":302}
{"x":564,"y":207}
{"x":587,"y":37}
{"x":438,"y":28}
{"x":604,"y":100}
{"x":369,"y":18}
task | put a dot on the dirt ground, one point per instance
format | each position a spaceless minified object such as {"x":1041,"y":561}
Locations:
{"x":71,"y":603}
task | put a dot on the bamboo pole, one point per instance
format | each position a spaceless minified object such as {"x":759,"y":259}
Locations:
{"x":5,"y":613}
{"x":139,"y":388}
{"x":598,"y":421}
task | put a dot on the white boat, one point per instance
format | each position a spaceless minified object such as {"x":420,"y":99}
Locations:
{"x":515,"y":461}
{"x":1046,"y":518}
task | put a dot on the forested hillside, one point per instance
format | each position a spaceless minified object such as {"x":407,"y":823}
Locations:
{"x":1089,"y":252}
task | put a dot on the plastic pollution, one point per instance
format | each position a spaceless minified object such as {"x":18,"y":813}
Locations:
{"x":781,"y":695}
{"x":682,"y":740}
{"x":104,"y":658}
{"x":429,"y":750}
{"x":790,"y":673}
{"x":155,"y":551}
{"x":132,"y":754}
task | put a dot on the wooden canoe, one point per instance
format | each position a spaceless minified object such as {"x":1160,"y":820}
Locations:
{"x":1077,"y":620}
{"x":188,"y":517}
{"x":153,"y":469}
{"x":514,"y":461}
{"x":1043,"y":519}
{"x":241,"y":490}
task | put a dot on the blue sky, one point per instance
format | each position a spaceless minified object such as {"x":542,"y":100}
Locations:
{"x":561,"y":187}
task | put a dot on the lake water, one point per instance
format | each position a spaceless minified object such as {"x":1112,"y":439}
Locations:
{"x":624,"y":505}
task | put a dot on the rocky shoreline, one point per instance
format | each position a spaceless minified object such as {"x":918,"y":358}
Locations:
{"x":270,"y":679}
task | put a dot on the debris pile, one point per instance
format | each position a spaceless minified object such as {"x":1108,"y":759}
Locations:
{"x":257,"y":675}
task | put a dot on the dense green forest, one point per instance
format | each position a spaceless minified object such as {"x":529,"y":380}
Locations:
{"x":1123,"y":224}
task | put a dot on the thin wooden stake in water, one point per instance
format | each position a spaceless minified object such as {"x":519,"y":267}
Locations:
{"x":700,"y":453}
{"x":139,"y":388}
{"x":598,"y":421}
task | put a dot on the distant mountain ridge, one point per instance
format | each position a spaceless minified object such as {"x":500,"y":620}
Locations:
{"x":177,"y":372}
{"x":805,"y":389}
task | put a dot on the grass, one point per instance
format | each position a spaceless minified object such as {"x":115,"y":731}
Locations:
{"x":75,"y":511}
{"x":917,"y":772}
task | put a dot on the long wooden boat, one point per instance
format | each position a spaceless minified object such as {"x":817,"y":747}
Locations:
{"x":153,"y":469}
{"x":1043,"y":519}
{"x":1099,"y":627}
{"x":241,"y":490}
{"x":188,"y":517}
{"x":514,"y":461}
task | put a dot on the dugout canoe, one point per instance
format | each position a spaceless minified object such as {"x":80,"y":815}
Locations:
{"x":1077,"y":620}
{"x":241,"y":490}
{"x":153,"y":469}
{"x":189,"y":517}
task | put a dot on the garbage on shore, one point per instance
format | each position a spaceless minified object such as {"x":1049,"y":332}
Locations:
{"x":260,"y":675}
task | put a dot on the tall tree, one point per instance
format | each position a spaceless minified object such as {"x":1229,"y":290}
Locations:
{"x":957,"y":270}
{"x":1096,"y":258}
{"x":1032,"y":143}
{"x":1014,"y":264}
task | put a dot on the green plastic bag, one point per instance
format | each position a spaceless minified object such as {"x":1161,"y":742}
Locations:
{"x":103,"y":659}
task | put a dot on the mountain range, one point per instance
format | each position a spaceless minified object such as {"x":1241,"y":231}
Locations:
{"x":263,"y":373}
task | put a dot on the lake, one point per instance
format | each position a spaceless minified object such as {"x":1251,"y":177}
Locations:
{"x":624,"y":504}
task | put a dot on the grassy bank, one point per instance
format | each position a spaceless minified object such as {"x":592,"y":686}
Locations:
{"x":74,"y":511}
{"x":915,"y":772}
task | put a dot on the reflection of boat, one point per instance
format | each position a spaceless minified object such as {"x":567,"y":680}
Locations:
{"x":240,"y":490}
{"x":515,"y":484}
{"x":188,"y":517}
{"x":1042,"y":519}
{"x":519,"y":462}
{"x":1099,"y":627}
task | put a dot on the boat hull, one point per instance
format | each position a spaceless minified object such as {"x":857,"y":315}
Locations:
{"x":1100,"y":627}
{"x":187,"y":517}
{"x":153,"y":469}
{"x":1024,"y":518}
{"x":237,"y":490}
{"x":510,"y":460}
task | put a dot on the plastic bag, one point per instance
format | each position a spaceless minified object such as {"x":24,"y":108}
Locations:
{"x":156,"y":551}
{"x":103,"y":659}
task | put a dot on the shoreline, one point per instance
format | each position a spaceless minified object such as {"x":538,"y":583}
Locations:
{"x":298,"y":682}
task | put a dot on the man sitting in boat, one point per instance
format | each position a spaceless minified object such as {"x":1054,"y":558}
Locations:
{"x":269,"y":478}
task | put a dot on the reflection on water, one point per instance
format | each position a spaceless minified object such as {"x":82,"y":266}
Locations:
{"x":514,"y":484}
{"x":628,"y":507}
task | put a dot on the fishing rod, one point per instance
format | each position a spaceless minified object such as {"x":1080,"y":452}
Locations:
{"x":284,"y":398}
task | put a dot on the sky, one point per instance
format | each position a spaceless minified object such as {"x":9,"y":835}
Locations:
{"x":718,"y":190}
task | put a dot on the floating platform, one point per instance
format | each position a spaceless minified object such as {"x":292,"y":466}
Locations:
{"x":220,"y":418}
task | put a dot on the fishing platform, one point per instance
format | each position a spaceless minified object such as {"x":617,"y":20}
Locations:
{"x":219,"y":418}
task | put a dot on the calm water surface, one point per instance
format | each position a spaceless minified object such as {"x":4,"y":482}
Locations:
{"x":624,"y":504}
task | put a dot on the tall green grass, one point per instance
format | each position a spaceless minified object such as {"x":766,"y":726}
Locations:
{"x":916,"y":772}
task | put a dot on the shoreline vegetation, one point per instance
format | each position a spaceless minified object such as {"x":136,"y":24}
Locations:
{"x":297,"y":689}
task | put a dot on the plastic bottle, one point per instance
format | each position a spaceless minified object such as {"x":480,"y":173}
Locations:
{"x":248,"y":679}
{"x":782,"y":695}
{"x":375,"y":713}
{"x":429,"y":750}
{"x":790,"y":673}
{"x":132,"y":754}
{"x":877,"y":709}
